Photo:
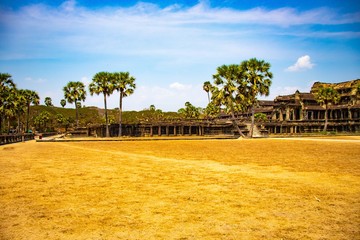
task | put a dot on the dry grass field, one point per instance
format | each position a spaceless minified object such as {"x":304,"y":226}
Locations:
{"x":200,"y":189}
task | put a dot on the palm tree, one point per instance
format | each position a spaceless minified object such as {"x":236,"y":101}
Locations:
{"x":20,"y":106}
{"x":74,"y":92}
{"x":48,"y":101}
{"x":125,"y":84}
{"x":63,"y":102}
{"x":102,"y":83}
{"x":226,"y":92}
{"x":7,"y":87}
{"x":325,"y":97}
{"x":207,"y":88}
{"x":257,"y":75}
{"x":31,"y":97}
{"x":11,"y":106}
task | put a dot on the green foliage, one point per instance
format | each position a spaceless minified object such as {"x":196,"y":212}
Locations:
{"x":211,"y":110}
{"x":42,"y":119}
{"x":63,"y":102}
{"x":190,"y":111}
{"x":65,"y":117}
{"x":48,"y":101}
{"x":327,"y":96}
{"x":260,"y":117}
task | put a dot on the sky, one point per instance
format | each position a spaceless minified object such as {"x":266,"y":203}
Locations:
{"x":173,"y":47}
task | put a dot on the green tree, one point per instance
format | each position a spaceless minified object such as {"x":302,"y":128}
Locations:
{"x":212,"y":110}
{"x":152,"y":114}
{"x":125,"y":85}
{"x":63,"y":102}
{"x":229,"y":91}
{"x":42,"y":119}
{"x":257,"y":75}
{"x":7,"y":88}
{"x":260,"y":117}
{"x":48,"y":101}
{"x":20,"y":106}
{"x":327,"y":96}
{"x":102,"y":83}
{"x":31,"y":97}
{"x":207,"y":88}
{"x":78,"y":105}
{"x":73,"y":93}
{"x":11,"y":106}
{"x":190,"y":111}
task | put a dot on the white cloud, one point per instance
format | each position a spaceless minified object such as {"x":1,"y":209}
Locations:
{"x":303,"y":63}
{"x":179,"y":86}
{"x":171,"y":51}
{"x":147,"y":29}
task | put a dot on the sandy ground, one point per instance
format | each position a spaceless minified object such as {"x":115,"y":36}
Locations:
{"x":208,"y":189}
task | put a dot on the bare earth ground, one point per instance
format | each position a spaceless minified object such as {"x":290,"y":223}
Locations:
{"x":205,"y":189}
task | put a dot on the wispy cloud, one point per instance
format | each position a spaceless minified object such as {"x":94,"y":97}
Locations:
{"x":303,"y":63}
{"x":146,"y":29}
{"x":179,"y":86}
{"x":170,"y":50}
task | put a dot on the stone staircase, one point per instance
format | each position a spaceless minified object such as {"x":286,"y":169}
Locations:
{"x":256,"y":131}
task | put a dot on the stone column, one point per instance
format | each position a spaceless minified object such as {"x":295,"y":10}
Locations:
{"x":281,"y":116}
{"x":273,"y":117}
{"x":287,"y":116}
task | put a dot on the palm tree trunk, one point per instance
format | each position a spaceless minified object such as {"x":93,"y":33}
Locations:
{"x":27,"y":118}
{"x":208,"y":96}
{"x":1,"y":121}
{"x":252,"y":121}
{"x":8,"y":132}
{"x":77,"y":115}
{"x":326,"y":118}
{"x":18,"y":123}
{"x":120,"y":114}
{"x":106,"y":118}
{"x":235,"y":124}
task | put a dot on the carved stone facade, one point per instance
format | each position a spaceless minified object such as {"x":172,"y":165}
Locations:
{"x":300,"y":112}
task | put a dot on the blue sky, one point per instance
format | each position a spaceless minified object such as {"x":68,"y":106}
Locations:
{"x":172,"y":47}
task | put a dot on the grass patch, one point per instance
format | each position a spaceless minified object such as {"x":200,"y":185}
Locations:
{"x":208,"y":189}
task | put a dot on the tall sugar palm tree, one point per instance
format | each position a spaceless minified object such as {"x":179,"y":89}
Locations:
{"x":207,"y":88}
{"x":7,"y":88}
{"x":102,"y":83}
{"x":74,"y":92}
{"x":257,"y":75}
{"x":327,"y":96}
{"x":31,"y":97}
{"x":20,"y":106}
{"x":225,"y":92}
{"x":125,"y":84}
{"x":63,"y":102}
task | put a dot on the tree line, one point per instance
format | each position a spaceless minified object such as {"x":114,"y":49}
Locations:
{"x":235,"y":88}
{"x":14,"y":102}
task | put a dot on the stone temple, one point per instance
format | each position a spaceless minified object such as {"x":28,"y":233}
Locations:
{"x":293,"y":114}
